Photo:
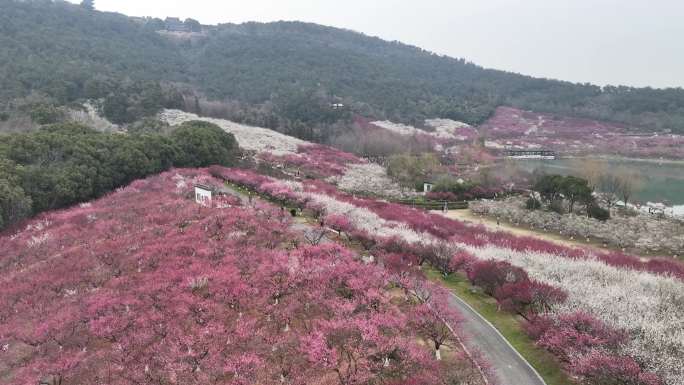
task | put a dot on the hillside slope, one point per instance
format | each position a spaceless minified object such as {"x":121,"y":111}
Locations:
{"x":56,"y":48}
{"x":295,"y":69}
{"x":145,"y":286}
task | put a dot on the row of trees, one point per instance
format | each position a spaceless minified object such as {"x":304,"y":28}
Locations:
{"x":413,"y":170}
{"x":615,"y":183}
{"x":555,"y":190}
{"x":599,"y":183}
{"x":64,"y":164}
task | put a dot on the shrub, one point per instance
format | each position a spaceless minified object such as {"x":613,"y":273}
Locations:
{"x":441,"y":196}
{"x":557,"y":206}
{"x":462,"y":261}
{"x":536,"y":327}
{"x":533,"y":204}
{"x":597,"y":212}
{"x":46,"y":114}
{"x":528,"y":297}
{"x":490,"y":275}
{"x":149,"y":126}
{"x":575,"y":334}
{"x":338,"y":223}
{"x":598,"y":368}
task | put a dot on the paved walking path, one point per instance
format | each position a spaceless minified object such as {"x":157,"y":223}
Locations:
{"x":509,"y":367}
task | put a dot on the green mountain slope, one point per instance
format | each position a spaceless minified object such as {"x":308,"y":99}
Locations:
{"x":57,"y":47}
{"x":70,"y":53}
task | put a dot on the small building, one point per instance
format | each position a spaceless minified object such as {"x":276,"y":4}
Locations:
{"x":429,"y":185}
{"x":337,"y":106}
{"x":203,"y":194}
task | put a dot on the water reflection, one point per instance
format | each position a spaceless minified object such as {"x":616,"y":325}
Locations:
{"x":662,"y":182}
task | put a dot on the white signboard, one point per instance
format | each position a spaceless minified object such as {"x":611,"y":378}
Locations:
{"x":202,"y":195}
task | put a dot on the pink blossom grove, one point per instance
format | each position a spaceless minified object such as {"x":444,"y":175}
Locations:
{"x":638,"y":298}
{"x":145,"y":286}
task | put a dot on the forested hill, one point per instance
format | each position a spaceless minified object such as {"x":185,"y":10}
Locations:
{"x":292,"y":70}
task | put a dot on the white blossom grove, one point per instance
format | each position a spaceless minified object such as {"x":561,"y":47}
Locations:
{"x":358,"y":177}
{"x":443,"y":128}
{"x":451,"y":129}
{"x":249,"y":138}
{"x":91,"y":118}
{"x":643,"y":232}
{"x":366,"y":220}
{"x":398,"y":128}
{"x":649,"y":306}
{"x":369,"y":178}
{"x":360,"y":217}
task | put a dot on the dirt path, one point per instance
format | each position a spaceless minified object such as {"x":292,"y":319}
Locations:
{"x":491,"y":224}
{"x":300,"y":224}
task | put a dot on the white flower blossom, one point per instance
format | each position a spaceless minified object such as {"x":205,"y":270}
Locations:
{"x":369,"y":178}
{"x":443,"y":128}
{"x":37,"y":240}
{"x":643,"y":231}
{"x":38,"y":225}
{"x":447,"y":128}
{"x":249,"y":138}
{"x":650,"y":307}
{"x":91,"y":118}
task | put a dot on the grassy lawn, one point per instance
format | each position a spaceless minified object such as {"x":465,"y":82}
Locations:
{"x":511,"y":328}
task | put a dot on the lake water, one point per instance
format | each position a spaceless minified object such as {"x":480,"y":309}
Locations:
{"x":662,"y":182}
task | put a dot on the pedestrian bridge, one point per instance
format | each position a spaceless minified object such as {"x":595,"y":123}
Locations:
{"x":531,"y":154}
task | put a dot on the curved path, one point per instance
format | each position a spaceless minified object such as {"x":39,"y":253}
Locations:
{"x":468,"y":216}
{"x":507,"y":364}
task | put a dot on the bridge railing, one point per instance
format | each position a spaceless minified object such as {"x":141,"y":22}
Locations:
{"x":433,"y":205}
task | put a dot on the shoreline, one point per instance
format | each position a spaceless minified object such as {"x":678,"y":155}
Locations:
{"x":628,"y":159}
{"x":612,"y":158}
{"x":665,"y":176}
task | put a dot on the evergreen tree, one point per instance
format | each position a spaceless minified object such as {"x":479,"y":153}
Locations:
{"x":88,"y":4}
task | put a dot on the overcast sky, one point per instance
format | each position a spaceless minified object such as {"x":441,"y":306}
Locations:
{"x":633,"y":42}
